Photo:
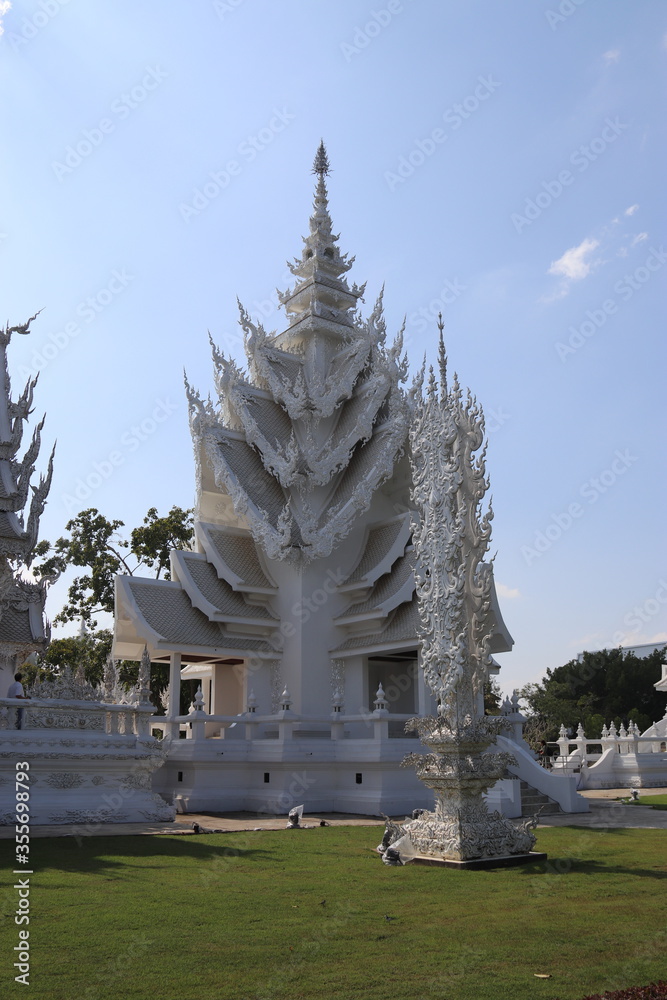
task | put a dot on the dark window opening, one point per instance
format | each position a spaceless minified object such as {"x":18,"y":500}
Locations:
{"x":266,"y":777}
{"x":357,"y":778}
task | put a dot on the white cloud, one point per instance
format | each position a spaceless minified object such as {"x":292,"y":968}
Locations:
{"x":507,"y":592}
{"x":5,"y":5}
{"x":612,"y":56}
{"x":631,"y":210}
{"x":639,"y":238}
{"x":635,"y":639}
{"x":574,"y":264}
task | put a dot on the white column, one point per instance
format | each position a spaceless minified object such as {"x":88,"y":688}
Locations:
{"x":174,"y":700}
{"x":174,"y":685}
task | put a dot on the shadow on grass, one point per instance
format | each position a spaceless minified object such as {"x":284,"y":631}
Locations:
{"x":589,"y":867}
{"x":93,"y":854}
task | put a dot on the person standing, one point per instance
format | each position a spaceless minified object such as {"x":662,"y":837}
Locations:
{"x":16,"y":691}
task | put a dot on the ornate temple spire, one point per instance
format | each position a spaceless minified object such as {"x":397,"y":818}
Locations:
{"x":320,"y":220}
{"x":320,"y":405}
{"x":442,"y":356}
{"x":321,"y":300}
{"x":321,"y":161}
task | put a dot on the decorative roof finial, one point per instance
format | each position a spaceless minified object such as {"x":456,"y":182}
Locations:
{"x":321,"y":162}
{"x":442,"y":356}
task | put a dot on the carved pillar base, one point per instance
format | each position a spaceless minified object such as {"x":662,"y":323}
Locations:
{"x":459,"y":771}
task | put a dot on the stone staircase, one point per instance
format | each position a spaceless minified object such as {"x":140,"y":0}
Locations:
{"x":532,"y":800}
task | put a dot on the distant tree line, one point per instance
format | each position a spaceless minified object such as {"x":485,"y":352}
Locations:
{"x":610,"y":685}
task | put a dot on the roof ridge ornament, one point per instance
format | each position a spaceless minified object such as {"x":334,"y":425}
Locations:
{"x":321,"y":161}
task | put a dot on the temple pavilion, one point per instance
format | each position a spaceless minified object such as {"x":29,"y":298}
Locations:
{"x":296,"y":609}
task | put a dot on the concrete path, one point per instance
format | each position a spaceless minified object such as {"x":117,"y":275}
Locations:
{"x":605,"y":814}
{"x":183,"y":824}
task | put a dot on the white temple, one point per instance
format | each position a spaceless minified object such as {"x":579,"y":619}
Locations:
{"x":297,"y":609}
{"x":86,"y":754}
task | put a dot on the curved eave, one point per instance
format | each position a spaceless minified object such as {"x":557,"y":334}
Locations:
{"x":501,"y":640}
{"x":386,"y":562}
{"x":215,"y":453}
{"x":128,"y":611}
{"x":223,"y":570}
{"x":213,"y":613}
{"x":377,"y":646}
{"x":380,"y":611}
{"x":125,"y":602}
{"x":375,"y":474}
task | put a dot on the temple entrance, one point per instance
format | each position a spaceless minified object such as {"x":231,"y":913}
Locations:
{"x":398,"y":675}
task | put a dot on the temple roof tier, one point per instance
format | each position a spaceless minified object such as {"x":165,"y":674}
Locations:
{"x":385,"y":542}
{"x":162,"y":614}
{"x":235,"y":557}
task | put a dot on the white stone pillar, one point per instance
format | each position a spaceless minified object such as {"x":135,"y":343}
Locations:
{"x":174,"y":699}
{"x":173,"y":708}
{"x":563,"y":743}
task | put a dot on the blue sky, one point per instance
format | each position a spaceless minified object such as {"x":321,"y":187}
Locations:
{"x":501,"y":162}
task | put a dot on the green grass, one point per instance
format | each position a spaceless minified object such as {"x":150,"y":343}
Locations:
{"x":653,"y":800}
{"x":240,"y":917}
{"x":656,"y":801}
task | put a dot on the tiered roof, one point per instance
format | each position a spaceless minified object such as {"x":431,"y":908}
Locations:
{"x":288,"y":461}
{"x":303,"y":440}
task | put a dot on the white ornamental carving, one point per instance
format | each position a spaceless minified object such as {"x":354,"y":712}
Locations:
{"x":321,"y":406}
{"x":451,"y":537}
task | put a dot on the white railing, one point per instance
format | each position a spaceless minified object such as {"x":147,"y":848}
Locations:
{"x":285,"y":725}
{"x":573,"y":750}
{"x":44,"y":714}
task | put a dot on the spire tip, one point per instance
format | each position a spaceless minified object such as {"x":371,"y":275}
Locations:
{"x":321,"y":161}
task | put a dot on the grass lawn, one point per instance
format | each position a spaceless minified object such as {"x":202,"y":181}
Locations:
{"x":652,"y":800}
{"x":303,"y":914}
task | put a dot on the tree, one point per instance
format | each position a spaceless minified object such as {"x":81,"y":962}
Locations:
{"x":95,"y":544}
{"x":605,"y":686}
{"x":90,"y":651}
{"x":492,"y":697}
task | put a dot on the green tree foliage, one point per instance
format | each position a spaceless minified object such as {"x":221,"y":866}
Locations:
{"x":606,"y":685}
{"x":492,"y":697}
{"x":95,"y":545}
{"x":90,"y":651}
